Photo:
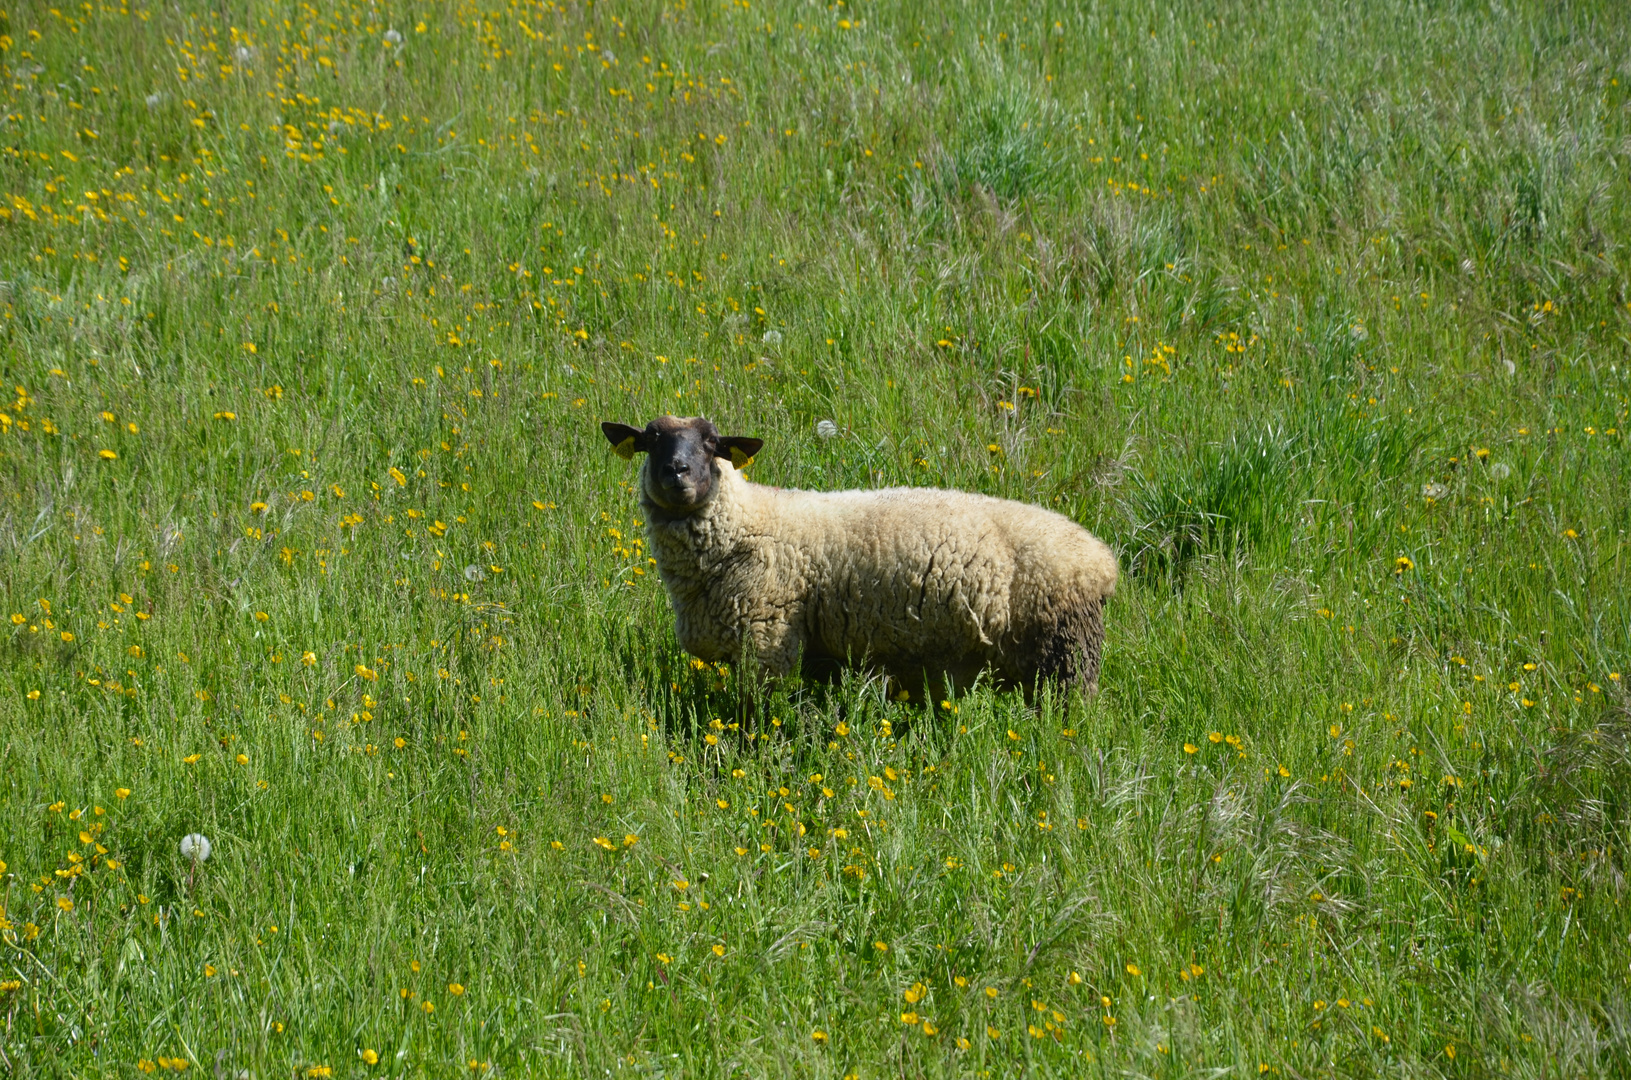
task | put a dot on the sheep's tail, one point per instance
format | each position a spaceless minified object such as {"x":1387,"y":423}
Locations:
{"x":1096,"y":570}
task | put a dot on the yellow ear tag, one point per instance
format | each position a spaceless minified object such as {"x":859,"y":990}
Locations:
{"x":625,"y":449}
{"x":739,"y":459}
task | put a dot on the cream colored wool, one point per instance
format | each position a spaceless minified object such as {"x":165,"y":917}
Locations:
{"x":918,"y":581}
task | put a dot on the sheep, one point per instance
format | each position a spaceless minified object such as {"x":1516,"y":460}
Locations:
{"x":931,"y":586}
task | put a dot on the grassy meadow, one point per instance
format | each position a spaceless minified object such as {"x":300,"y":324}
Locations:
{"x":310,"y":543}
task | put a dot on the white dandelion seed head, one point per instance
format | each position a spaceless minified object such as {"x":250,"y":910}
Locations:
{"x":242,"y":53}
{"x":393,"y":37}
{"x":334,"y":127}
{"x":473,"y":573}
{"x":1434,"y":491}
{"x":826,"y":429}
{"x":153,"y":100}
{"x":195,"y":846}
{"x":609,"y":56}
{"x":1359,"y":332}
{"x":1500,"y":470}
{"x":773,"y":337}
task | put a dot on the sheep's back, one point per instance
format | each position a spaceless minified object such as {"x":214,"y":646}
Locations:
{"x":916,"y":575}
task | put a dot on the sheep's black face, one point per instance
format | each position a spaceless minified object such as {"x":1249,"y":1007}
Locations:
{"x":679,"y":474}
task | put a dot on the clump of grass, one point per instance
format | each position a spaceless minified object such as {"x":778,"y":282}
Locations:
{"x":1003,"y":141}
{"x":1237,"y":495}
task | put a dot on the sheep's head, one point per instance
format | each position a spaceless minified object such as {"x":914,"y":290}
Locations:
{"x":679,"y":474}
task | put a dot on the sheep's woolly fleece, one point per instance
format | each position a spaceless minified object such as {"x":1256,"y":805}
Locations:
{"x":917,"y":581}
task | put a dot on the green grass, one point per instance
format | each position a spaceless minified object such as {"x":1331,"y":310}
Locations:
{"x":1318,"y":316}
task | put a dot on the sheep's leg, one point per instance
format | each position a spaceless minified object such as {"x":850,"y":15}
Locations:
{"x":776,"y":646}
{"x":818,"y":669}
{"x":768,"y":652}
{"x":927,"y":681}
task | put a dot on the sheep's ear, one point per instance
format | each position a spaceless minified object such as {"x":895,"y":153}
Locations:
{"x":627,"y":441}
{"x":739,"y":449}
